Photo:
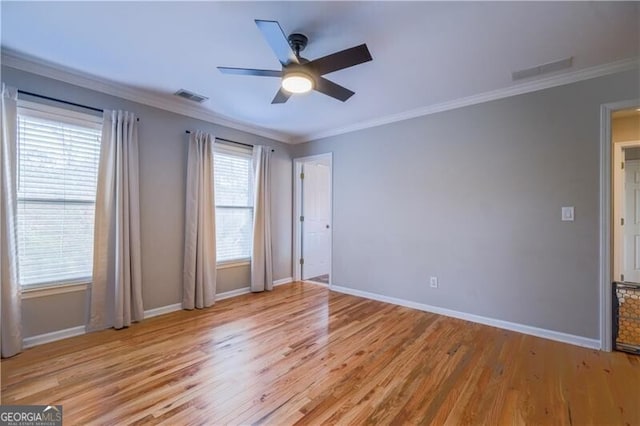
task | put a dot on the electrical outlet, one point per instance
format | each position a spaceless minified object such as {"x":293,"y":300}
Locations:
{"x":433,"y":282}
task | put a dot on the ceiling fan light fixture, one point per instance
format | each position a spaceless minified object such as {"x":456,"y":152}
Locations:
{"x":297,"y":82}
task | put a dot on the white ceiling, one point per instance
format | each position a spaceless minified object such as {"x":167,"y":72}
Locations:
{"x":425,"y":53}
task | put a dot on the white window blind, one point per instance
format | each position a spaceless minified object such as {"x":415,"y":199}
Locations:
{"x":233,"y":178}
{"x":58,"y":154}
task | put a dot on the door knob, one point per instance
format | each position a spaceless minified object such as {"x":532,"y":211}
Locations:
{"x":327,"y":226}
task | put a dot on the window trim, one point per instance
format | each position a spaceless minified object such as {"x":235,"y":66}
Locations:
{"x":234,"y":263}
{"x":223,"y":147}
{"x":34,"y":291}
{"x":75,"y":118}
{"x":232,"y":149}
{"x":48,"y":112}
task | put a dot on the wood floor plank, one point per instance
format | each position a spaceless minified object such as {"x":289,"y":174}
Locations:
{"x":305,"y":355}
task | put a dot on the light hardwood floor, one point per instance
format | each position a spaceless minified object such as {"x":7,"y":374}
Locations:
{"x":304,"y":354}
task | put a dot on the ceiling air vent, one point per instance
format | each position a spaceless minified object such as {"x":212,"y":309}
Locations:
{"x":191,"y":96}
{"x":542,"y":69}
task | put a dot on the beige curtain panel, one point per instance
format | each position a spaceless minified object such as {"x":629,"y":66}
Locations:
{"x":199,"y":273}
{"x":10,"y":302}
{"x":261,"y":263}
{"x":116,"y":290}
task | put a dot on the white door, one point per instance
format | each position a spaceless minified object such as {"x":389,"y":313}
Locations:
{"x":631,"y":227}
{"x":316,"y":205}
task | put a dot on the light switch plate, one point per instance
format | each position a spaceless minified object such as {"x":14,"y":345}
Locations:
{"x":567,"y":214}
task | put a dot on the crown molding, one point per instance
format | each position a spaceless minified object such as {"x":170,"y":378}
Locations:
{"x":38,"y":66}
{"x":517,"y":89}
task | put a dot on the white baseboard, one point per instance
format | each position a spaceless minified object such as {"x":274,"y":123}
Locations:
{"x":283,"y":281}
{"x":520,"y":328}
{"x":150,"y":313}
{"x":41,"y":339}
{"x":233,"y":293}
{"x":317,"y":283}
{"x":245,"y":290}
{"x":219,"y":296}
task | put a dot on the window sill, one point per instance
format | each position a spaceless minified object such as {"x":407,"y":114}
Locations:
{"x":233,"y":263}
{"x":44,"y":290}
{"x":50,"y":290}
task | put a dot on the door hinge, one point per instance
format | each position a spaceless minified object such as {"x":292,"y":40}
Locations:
{"x":302,"y":261}
{"x":622,"y":277}
{"x":622,"y":165}
{"x":622,"y":221}
{"x":302,"y":175}
{"x":301,"y":218}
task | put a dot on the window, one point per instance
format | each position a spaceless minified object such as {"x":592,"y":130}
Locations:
{"x":57,"y":167}
{"x":233,"y":178}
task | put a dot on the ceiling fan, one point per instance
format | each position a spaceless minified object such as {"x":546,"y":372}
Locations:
{"x":299,"y":75}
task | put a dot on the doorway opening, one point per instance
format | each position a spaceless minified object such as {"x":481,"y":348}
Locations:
{"x":626,"y":207}
{"x":313,"y":211}
{"x":619,"y":245}
{"x":625,"y":228}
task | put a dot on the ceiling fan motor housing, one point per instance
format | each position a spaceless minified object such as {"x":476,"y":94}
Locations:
{"x":298,"y":42}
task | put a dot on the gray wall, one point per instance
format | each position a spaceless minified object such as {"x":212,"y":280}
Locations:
{"x":473,"y":196}
{"x":163,"y":157}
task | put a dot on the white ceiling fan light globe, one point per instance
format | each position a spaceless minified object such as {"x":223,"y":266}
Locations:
{"x":297,"y":82}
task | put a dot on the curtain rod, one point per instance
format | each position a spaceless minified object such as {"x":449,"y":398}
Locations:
{"x":229,"y":141}
{"x":35,"y":95}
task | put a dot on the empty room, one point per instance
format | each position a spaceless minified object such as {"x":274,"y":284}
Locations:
{"x":372,"y":212}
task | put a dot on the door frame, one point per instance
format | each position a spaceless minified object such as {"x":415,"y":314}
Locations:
{"x":297,"y":212}
{"x":606,"y":224}
{"x":618,"y":208}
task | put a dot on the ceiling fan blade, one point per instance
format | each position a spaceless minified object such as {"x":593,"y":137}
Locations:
{"x":341,"y":60}
{"x":275,"y":37}
{"x":249,"y":71}
{"x":332,"y":89}
{"x":281,"y":97}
